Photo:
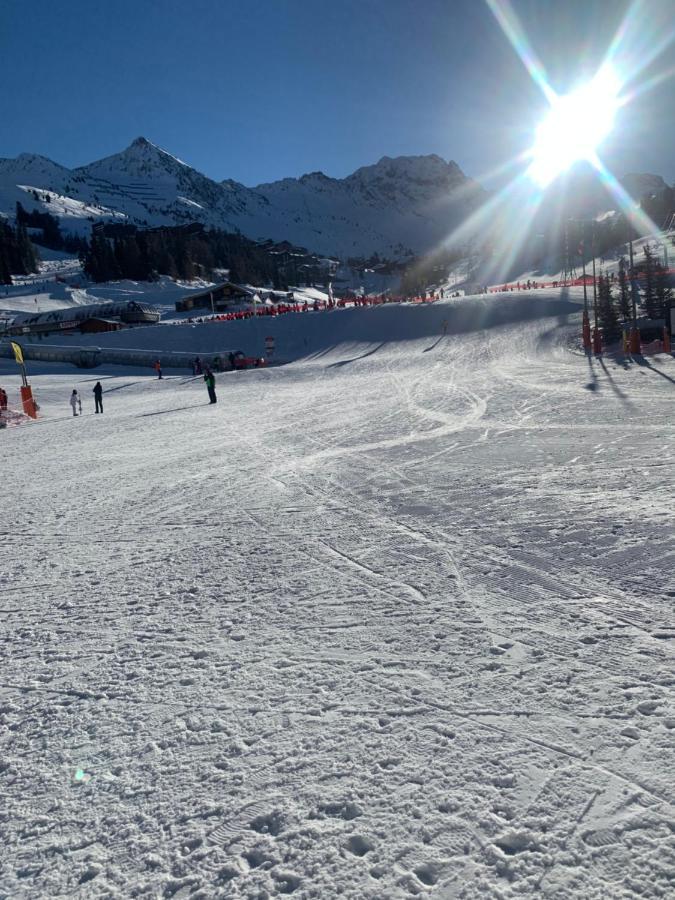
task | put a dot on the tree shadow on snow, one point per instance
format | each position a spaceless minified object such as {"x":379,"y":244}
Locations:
{"x":120,"y":387}
{"x":346,"y":362}
{"x":548,"y":338}
{"x":613,"y":385}
{"x":435,"y":344}
{"x":641,"y":361}
{"x":161,"y":412}
{"x":593,"y":384}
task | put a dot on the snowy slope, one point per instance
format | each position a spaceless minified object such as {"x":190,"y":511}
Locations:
{"x":393,"y":208}
{"x":27,"y":175}
{"x":33,"y":169}
{"x":395,"y":620}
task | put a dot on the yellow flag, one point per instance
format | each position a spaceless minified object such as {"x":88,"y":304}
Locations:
{"x":18,"y":352}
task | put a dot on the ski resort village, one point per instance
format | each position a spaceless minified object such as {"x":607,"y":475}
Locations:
{"x":338,"y":553}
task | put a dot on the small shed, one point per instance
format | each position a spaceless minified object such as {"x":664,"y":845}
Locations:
{"x":94,"y":325}
{"x":217,"y":298}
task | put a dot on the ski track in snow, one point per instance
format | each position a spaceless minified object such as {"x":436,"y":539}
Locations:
{"x":386,"y":626}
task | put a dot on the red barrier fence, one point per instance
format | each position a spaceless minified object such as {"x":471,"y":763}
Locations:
{"x":530,"y":285}
{"x":281,"y":309}
{"x":533,"y":285}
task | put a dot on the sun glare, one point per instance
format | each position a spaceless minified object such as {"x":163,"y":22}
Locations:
{"x":575,"y":126}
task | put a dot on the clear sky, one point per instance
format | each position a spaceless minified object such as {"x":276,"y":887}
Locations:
{"x":256,"y":90}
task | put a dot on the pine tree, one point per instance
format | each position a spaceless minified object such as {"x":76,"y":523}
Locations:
{"x":93,"y":263}
{"x":607,"y":314}
{"x":663,"y":290}
{"x":100,"y":263}
{"x":649,"y":269}
{"x":5,"y":274}
{"x":625,"y":305}
{"x":27,"y":252}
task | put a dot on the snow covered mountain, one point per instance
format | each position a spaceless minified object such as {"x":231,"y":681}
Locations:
{"x":396,"y":207}
{"x":640,"y":184}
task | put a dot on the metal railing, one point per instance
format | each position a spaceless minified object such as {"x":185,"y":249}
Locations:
{"x":90,"y":357}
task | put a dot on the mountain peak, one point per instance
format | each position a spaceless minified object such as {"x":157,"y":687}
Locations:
{"x":423,"y":159}
{"x":430,"y":172}
{"x":138,"y":160}
{"x":32,"y":165}
{"x":142,"y":147}
{"x":639,"y":184}
{"x":34,"y":157}
{"x":313,"y":177}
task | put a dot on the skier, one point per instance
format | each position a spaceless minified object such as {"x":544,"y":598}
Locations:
{"x":74,"y":401}
{"x":444,"y":326}
{"x":3,"y":399}
{"x":210,"y":380}
{"x":158,"y":368}
{"x":98,"y":397}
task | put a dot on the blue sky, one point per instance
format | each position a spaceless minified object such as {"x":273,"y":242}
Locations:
{"x":256,"y":90}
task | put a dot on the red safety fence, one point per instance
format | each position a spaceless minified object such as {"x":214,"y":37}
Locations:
{"x":534,"y":285}
{"x":531,"y":285}
{"x":281,"y":309}
{"x":653,"y":347}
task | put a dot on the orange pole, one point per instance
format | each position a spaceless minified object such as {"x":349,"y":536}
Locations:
{"x":27,"y":401}
{"x":586,"y":330}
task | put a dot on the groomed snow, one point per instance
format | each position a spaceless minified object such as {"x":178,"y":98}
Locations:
{"x":393,"y":620}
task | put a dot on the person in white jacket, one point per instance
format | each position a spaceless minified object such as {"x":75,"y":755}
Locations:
{"x":74,"y":400}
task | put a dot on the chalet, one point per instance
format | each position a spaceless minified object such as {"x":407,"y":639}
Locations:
{"x":217,"y":298}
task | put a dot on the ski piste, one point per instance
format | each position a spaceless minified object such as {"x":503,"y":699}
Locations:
{"x":388,"y":601}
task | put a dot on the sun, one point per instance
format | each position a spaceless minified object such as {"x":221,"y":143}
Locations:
{"x":575,"y":126}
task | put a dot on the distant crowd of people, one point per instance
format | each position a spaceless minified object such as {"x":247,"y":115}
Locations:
{"x":530,"y":285}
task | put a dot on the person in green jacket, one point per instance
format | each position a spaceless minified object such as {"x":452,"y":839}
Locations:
{"x":210,"y":380}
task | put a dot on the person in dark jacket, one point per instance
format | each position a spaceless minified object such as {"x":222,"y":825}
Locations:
{"x":98,"y":397}
{"x":210,"y":380}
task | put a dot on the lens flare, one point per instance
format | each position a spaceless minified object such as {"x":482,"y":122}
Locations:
{"x":575,"y":126}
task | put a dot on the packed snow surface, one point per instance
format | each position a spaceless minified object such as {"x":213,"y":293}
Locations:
{"x":393,"y":620}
